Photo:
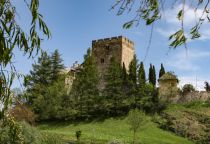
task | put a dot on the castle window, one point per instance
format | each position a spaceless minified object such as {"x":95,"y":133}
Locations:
{"x":107,"y":47}
{"x":102,"y":60}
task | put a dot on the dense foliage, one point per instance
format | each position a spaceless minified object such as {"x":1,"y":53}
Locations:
{"x":29,"y":135}
{"x":12,"y":37}
{"x":188,"y":88}
{"x":45,"y":86}
{"x":90,"y":96}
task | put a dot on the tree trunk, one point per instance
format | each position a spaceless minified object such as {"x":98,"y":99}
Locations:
{"x":134,"y":137}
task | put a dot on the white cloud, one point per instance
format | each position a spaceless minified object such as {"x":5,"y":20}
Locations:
{"x":164,"y":32}
{"x":190,"y":16}
{"x":186,"y":61}
{"x":196,"y":81}
{"x":190,"y":19}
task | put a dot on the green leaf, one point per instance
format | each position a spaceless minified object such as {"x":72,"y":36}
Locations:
{"x":180,"y":15}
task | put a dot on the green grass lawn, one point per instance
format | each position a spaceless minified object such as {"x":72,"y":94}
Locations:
{"x":111,"y":129}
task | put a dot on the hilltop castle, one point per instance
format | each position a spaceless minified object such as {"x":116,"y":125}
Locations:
{"x":121,"y":48}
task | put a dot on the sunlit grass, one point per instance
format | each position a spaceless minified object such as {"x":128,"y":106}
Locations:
{"x":115,"y":129}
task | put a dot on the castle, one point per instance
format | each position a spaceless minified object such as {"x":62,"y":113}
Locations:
{"x":121,"y":48}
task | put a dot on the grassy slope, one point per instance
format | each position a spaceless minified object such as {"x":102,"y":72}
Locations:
{"x":115,"y":129}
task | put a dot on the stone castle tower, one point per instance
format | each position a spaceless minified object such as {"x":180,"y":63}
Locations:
{"x":121,"y":48}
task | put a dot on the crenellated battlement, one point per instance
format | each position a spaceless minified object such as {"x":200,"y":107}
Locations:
{"x":120,"y":39}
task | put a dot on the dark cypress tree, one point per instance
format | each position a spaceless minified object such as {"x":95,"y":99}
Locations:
{"x":154,"y":76}
{"x":141,"y":75}
{"x":162,"y":71}
{"x":133,"y":70}
{"x":113,"y":91}
{"x":150,"y":73}
{"x":132,"y":82}
{"x":57,"y":65}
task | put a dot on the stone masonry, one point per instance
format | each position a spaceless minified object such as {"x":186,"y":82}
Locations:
{"x":121,"y":48}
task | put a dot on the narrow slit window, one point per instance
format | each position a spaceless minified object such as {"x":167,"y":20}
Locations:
{"x":107,"y":47}
{"x":102,"y":60}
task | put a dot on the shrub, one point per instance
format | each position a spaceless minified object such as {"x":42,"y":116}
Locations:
{"x":30,"y":135}
{"x":22,"y":113}
{"x":78,"y":134}
{"x":188,"y":88}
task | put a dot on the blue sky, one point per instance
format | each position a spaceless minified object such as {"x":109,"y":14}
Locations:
{"x":75,"y":23}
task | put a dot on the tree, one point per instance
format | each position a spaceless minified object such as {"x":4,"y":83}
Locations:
{"x":162,"y":71}
{"x":141,"y":75}
{"x":188,"y":88}
{"x":152,"y":75}
{"x":136,"y":119}
{"x":57,"y":65}
{"x":11,"y":36}
{"x":39,"y":78}
{"x":85,"y":89}
{"x":45,"y":86}
{"x":113,"y":91}
{"x":207,"y":86}
{"x":151,"y":11}
{"x":125,"y":79}
{"x":141,"y":84}
{"x":132,"y":81}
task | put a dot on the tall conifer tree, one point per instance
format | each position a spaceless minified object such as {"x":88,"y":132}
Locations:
{"x":162,"y":71}
{"x":141,"y":75}
{"x":154,"y":76}
{"x":113,"y":91}
{"x":85,"y":87}
{"x":125,"y":79}
{"x":39,"y":77}
{"x":133,"y":89}
{"x":150,"y":73}
{"x":57,"y":65}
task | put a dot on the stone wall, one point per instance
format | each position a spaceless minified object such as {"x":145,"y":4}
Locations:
{"x":194,"y":96}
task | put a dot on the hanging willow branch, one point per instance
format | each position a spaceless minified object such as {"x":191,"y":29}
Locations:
{"x":13,"y":36}
{"x":150,"y":11}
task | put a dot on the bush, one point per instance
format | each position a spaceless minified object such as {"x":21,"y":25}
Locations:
{"x":22,"y":113}
{"x":30,"y":135}
{"x":188,"y":88}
